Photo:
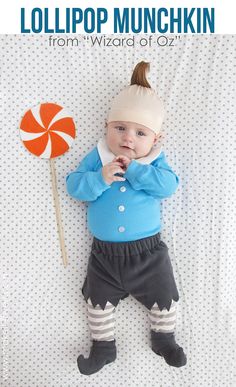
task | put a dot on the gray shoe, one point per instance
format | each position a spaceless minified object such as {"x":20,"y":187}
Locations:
{"x":101,"y":353}
{"x":163,"y":344}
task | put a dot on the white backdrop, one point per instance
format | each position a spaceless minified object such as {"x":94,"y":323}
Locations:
{"x":43,"y":314}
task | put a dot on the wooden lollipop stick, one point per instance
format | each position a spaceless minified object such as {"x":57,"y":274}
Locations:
{"x":58,"y":212}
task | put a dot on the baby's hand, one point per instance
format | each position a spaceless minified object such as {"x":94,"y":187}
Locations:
{"x":110,"y":169}
{"x":124,"y":160}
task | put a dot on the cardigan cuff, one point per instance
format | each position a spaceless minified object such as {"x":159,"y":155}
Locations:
{"x":133,"y":171}
{"x":101,"y":184}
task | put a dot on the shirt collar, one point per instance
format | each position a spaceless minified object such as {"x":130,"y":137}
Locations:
{"x":107,"y":156}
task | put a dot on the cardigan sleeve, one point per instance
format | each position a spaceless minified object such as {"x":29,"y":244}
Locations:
{"x":156,"y":179}
{"x":86,"y":183}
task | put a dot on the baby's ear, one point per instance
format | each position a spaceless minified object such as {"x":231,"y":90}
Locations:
{"x":156,"y":138}
{"x":160,"y":136}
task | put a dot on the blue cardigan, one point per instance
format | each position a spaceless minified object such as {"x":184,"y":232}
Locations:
{"x":125,"y":210}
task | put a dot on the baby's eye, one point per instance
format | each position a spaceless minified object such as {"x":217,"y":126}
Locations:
{"x":140,"y":133}
{"x":120,"y":128}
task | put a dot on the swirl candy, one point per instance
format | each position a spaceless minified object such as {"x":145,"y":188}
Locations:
{"x":47,"y":131}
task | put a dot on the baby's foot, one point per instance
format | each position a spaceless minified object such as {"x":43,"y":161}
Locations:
{"x":101,"y":353}
{"x":163,"y":344}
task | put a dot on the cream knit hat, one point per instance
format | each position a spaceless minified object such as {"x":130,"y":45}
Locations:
{"x":138,"y":103}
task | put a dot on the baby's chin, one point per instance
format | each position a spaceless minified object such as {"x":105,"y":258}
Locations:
{"x":127,"y":152}
{"x":133,"y":155}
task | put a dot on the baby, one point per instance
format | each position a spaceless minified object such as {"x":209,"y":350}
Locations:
{"x":123,"y":179}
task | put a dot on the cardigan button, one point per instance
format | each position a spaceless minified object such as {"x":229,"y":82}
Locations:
{"x":121,"y":229}
{"x":123,"y":188}
{"x":121,"y":208}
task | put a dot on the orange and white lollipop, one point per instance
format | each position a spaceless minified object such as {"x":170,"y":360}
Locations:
{"x":48,"y":131}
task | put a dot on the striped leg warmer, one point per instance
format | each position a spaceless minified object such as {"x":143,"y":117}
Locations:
{"x":101,"y":322}
{"x":163,"y":321}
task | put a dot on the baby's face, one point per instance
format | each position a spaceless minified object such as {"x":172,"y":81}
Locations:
{"x":130,"y":139}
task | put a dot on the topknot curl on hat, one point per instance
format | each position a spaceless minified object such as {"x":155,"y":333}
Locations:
{"x":138,"y":102}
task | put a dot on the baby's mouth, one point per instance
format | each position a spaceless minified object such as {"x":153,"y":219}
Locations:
{"x":126,"y":147}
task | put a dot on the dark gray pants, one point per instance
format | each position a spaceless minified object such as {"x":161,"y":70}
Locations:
{"x":141,"y":268}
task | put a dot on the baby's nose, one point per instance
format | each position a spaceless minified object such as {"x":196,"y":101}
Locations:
{"x":128,"y":137}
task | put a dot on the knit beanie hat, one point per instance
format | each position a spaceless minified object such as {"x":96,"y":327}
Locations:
{"x":138,"y":102}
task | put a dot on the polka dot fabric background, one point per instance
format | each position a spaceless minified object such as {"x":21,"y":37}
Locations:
{"x":44,"y":323}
